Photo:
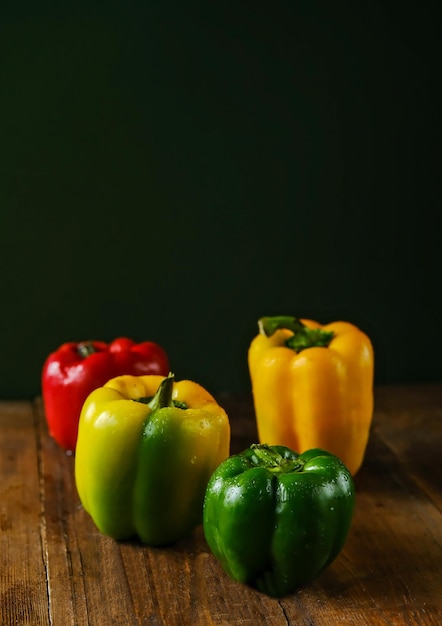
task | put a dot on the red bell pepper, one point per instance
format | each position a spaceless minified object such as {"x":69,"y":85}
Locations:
{"x":75,"y":369}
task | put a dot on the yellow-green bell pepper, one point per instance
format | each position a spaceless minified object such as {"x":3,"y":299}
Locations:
{"x":146,"y":449}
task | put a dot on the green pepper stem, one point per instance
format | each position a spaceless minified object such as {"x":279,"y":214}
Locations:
{"x":273,"y":460}
{"x":163,"y":396}
{"x":85,"y":349}
{"x":267,"y":455}
{"x":302,"y":338}
{"x":269,"y":325}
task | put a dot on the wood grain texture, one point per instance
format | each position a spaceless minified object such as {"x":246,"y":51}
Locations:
{"x":57,"y":569}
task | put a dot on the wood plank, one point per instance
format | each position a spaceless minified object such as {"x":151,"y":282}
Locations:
{"x":390,"y":571}
{"x":24,"y":592}
{"x":408,"y":420}
{"x":85,"y":577}
{"x":97,"y":580}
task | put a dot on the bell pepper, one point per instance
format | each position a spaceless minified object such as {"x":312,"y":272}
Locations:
{"x":312,"y":386}
{"x":75,"y":369}
{"x":146,"y":449}
{"x":276,"y":519}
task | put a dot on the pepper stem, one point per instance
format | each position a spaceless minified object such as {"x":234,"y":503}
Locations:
{"x":302,"y":338}
{"x":273,"y":460}
{"x":85,"y":349}
{"x":266,"y":455}
{"x":269,"y":325}
{"x":163,"y":396}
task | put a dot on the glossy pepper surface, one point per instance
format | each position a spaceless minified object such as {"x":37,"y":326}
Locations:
{"x":312,"y":386}
{"x":142,"y":463}
{"x":75,"y":369}
{"x":276,"y":519}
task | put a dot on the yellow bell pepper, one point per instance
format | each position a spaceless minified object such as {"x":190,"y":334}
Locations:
{"x":312,"y":386}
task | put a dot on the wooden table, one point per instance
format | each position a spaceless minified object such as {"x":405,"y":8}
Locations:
{"x":57,"y":569}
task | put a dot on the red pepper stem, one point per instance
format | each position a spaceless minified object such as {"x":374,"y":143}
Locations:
{"x":85,"y":349}
{"x":163,"y":396}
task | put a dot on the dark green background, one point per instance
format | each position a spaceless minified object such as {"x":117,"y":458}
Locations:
{"x":173,"y":171}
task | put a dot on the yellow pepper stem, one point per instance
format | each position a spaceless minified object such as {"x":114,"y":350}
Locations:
{"x":302,"y":337}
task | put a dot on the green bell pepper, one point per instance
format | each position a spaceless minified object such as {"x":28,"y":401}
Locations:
{"x":275,"y":519}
